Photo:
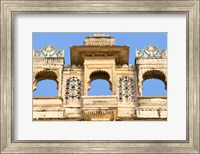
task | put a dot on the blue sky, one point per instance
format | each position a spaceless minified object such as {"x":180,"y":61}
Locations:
{"x":135,"y":40}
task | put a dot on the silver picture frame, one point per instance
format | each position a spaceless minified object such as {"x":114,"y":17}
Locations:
{"x":189,"y":7}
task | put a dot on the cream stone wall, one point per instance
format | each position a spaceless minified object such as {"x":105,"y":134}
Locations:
{"x":47,"y":107}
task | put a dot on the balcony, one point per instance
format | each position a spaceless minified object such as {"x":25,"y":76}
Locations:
{"x":47,"y":108}
{"x":152,"y":107}
{"x":99,"y":101}
{"x":100,"y":108}
{"x":47,"y":101}
{"x":152,"y":101}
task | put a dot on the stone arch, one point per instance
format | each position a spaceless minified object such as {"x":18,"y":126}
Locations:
{"x":99,"y":74}
{"x":155,"y":74}
{"x":45,"y":75}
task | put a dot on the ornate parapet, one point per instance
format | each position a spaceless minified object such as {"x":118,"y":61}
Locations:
{"x":99,"y":40}
{"x":151,"y":52}
{"x":48,"y":56}
{"x":48,"y":51}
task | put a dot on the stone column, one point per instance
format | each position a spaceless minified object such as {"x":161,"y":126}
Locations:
{"x":85,"y":83}
{"x":113,"y":80}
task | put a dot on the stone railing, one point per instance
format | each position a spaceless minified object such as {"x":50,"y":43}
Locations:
{"x":47,"y":101}
{"x":152,"y":100}
{"x":99,"y":108}
{"x":152,"y":107}
{"x":47,"y":108}
{"x":99,"y":101}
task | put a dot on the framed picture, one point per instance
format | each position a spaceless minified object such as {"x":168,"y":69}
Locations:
{"x":32,"y":124}
{"x":94,"y":81}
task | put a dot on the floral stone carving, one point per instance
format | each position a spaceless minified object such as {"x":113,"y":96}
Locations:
{"x":73,"y":88}
{"x":126,"y":88}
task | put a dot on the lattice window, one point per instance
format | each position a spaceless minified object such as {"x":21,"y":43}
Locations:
{"x":73,"y":88}
{"x":126,"y":88}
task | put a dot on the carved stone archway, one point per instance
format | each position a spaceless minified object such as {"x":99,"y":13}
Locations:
{"x":151,"y":63}
{"x":99,"y":74}
{"x":154,"y":74}
{"x":45,"y":75}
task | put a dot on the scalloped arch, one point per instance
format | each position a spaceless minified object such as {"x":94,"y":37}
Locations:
{"x":45,"y":75}
{"x":154,"y":74}
{"x":100,"y":74}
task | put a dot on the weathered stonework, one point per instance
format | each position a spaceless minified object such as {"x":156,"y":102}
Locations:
{"x":99,"y":58}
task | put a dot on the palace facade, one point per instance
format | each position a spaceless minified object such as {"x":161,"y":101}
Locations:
{"x":99,"y":58}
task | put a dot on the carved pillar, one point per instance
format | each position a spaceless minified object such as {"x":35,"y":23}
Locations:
{"x":86,"y":80}
{"x":140,"y":80}
{"x":113,"y":80}
{"x":165,"y":72}
{"x":59,"y":82}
